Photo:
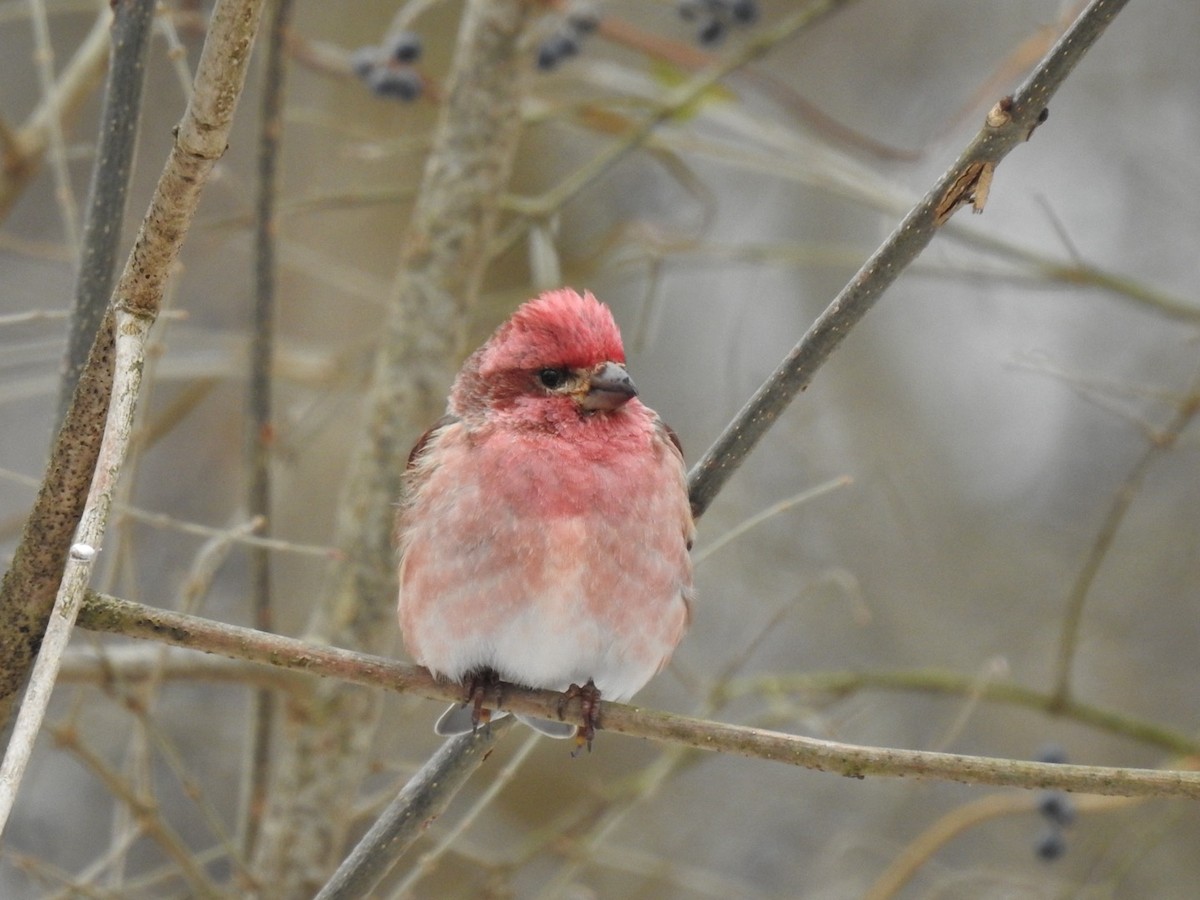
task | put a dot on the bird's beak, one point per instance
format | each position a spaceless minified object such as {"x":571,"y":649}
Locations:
{"x":608,"y":387}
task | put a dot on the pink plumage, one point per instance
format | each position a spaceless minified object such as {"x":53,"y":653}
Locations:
{"x":545,"y":527}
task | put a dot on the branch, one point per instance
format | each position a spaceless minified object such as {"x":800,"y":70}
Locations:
{"x":940,"y":681}
{"x":683,"y":97}
{"x":959,"y":820}
{"x":103,"y":613}
{"x":31,"y":584}
{"x":117,"y":138}
{"x":259,"y":417}
{"x":423,"y":799}
{"x":442,"y":262}
{"x":132,"y":331}
{"x":1160,"y":443}
{"x":145,"y":812}
{"x":23,"y":150}
{"x":1010,"y":122}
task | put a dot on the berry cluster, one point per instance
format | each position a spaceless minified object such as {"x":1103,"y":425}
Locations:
{"x":580,"y":20}
{"x":387,"y":68}
{"x":1058,"y":811}
{"x":715,"y":17}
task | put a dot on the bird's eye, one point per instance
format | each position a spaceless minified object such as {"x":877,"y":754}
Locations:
{"x":552,"y":378}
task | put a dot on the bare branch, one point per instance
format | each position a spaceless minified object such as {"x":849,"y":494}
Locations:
{"x":259,"y":416}
{"x":146,"y":814}
{"x":405,"y":819}
{"x":132,"y":331}
{"x":1010,"y":123}
{"x":680,"y":99}
{"x":31,"y":583}
{"x":1077,"y":597}
{"x":117,"y":137}
{"x":24,"y":149}
{"x":103,"y":613}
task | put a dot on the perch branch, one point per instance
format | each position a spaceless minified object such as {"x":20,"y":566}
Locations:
{"x":102,"y":613}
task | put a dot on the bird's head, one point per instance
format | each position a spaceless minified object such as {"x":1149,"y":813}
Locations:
{"x":557,"y":356}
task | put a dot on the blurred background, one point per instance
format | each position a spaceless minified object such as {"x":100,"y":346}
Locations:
{"x":984,"y":419}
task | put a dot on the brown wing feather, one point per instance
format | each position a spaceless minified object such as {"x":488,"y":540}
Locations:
{"x":672,"y":435}
{"x":423,"y":442}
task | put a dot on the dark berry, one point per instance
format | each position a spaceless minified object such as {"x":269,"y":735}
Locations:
{"x":364,"y":60}
{"x":547,"y":56}
{"x":711,"y":32}
{"x":1050,"y":846}
{"x":744,"y":11}
{"x":583,"y":18}
{"x":403,"y":84}
{"x":568,"y":45}
{"x":1052,"y":753}
{"x":555,"y":49}
{"x":404,"y":47}
{"x":1057,"y":808}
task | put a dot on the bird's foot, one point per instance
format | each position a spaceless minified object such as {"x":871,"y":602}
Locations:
{"x":478,"y":684}
{"x":589,"y":703}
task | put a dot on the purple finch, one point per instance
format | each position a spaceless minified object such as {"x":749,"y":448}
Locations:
{"x":545,"y":527}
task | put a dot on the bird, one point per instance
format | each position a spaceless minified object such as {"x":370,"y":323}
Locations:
{"x":544,"y":528}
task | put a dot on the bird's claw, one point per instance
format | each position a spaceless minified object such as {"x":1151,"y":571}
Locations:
{"x":478,"y":685}
{"x":589,"y":705}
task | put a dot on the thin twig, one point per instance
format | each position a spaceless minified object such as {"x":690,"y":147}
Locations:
{"x":142,"y":703}
{"x":1009,"y":123}
{"x":1159,"y":444}
{"x":405,"y":819}
{"x":101,"y":613}
{"x":961,"y":819}
{"x":169,"y":753}
{"x":132,"y":664}
{"x":162,"y":520}
{"x":260,"y":424}
{"x":24,"y":149}
{"x":43,"y":54}
{"x":115,"y":143}
{"x":130,"y":355}
{"x":448,"y":841}
{"x":681,"y":98}
{"x":236,"y":533}
{"x":146,"y":813}
{"x":954,"y":684}
{"x":770,"y":512}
